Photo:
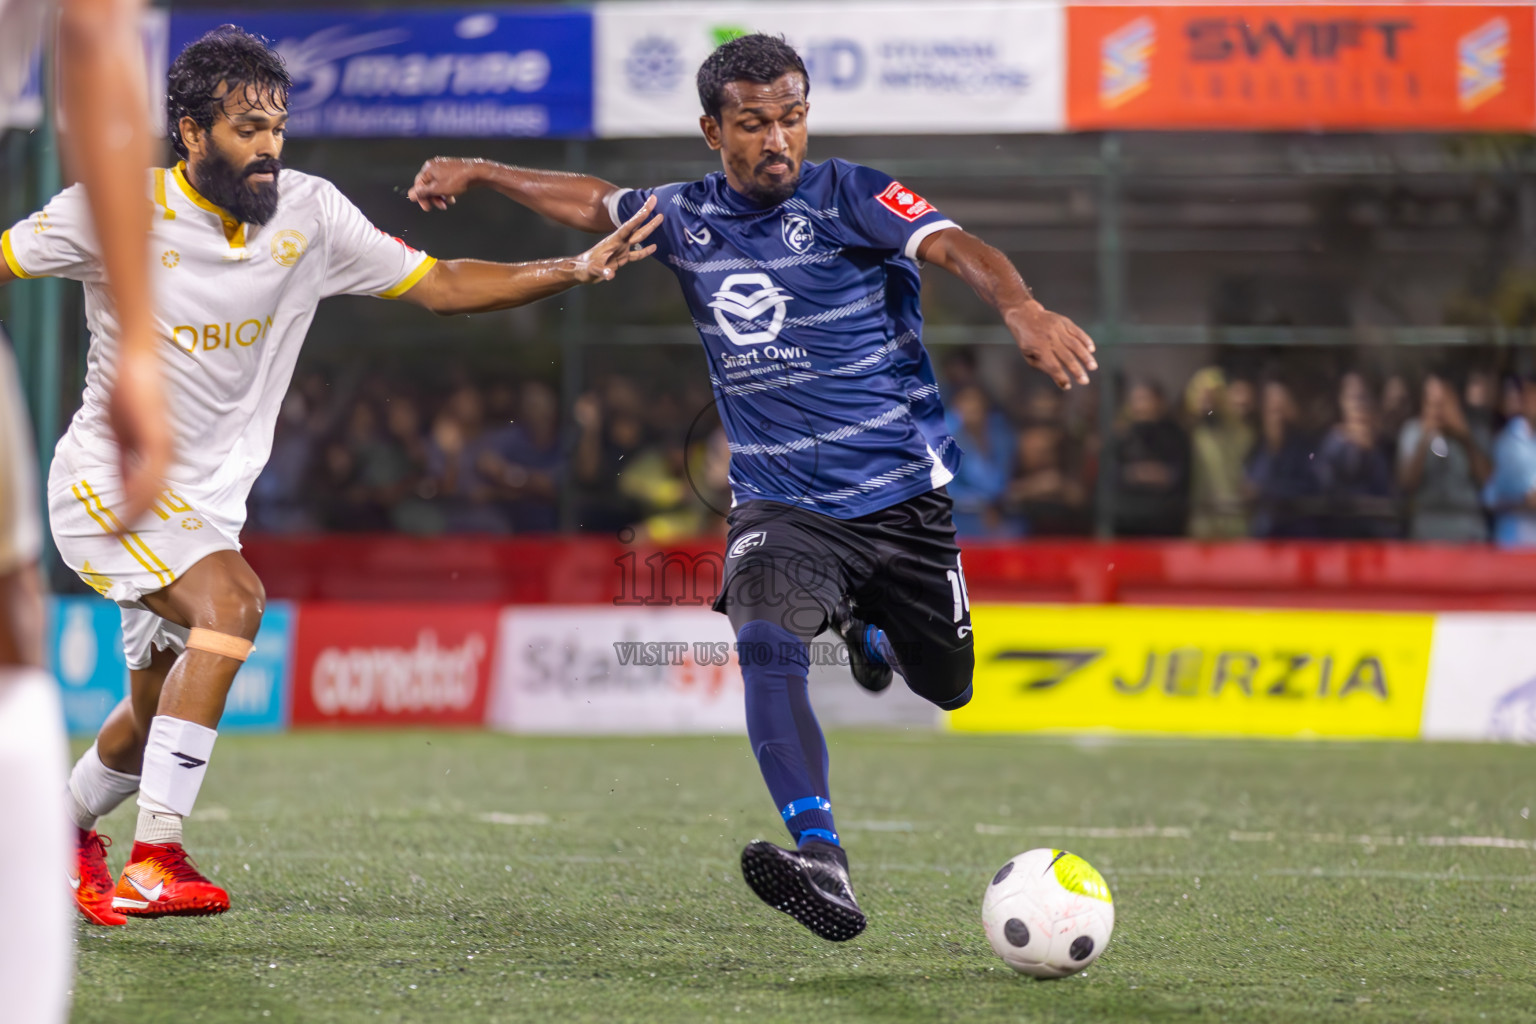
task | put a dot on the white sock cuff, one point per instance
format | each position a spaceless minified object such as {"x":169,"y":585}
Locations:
{"x":175,"y":761}
{"x":97,"y":790}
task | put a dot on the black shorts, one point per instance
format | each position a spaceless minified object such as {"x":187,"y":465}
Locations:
{"x":898,"y":568}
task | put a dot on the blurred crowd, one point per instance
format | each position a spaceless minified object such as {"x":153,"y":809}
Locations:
{"x":493,"y":458}
{"x":1443,"y":458}
{"x":1438,"y":457}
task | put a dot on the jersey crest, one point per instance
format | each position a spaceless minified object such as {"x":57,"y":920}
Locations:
{"x":798,"y":233}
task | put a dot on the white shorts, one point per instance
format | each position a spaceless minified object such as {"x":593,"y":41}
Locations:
{"x":21,"y":529}
{"x":169,"y":539}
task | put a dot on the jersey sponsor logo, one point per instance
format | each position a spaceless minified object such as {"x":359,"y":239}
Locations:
{"x":760,"y":297}
{"x":797,"y":231}
{"x":701,"y":238}
{"x":170,"y":258}
{"x":192,"y":339}
{"x":192,"y":523}
{"x":289,"y":246}
{"x":903,"y":202}
{"x":747,"y":542}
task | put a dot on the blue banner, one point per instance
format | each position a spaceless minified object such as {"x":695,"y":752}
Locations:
{"x":258,"y":701}
{"x":512,"y":71}
{"x":86,"y":644}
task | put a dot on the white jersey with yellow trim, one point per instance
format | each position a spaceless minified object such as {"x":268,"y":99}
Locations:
{"x":233,"y":304}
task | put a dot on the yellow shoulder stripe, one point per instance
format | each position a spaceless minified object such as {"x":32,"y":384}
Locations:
{"x":10,"y":256}
{"x":410,"y":280}
{"x":169,"y":214}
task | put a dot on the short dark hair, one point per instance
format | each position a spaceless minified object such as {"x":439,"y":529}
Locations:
{"x":229,"y":55}
{"x":755,"y":58}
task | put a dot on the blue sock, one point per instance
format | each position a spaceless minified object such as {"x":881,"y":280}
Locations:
{"x":782,"y":728}
{"x":877,"y":647}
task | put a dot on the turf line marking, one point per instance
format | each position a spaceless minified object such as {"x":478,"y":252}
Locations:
{"x":1251,"y":837}
{"x":878,"y":826}
{"x":498,"y":818}
{"x":1139,"y":832}
{"x":1317,"y":872}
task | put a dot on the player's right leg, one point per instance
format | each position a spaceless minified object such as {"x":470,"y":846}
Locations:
{"x":779,"y":593}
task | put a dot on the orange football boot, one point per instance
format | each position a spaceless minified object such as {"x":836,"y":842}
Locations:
{"x":161,"y":881}
{"x":92,"y":880}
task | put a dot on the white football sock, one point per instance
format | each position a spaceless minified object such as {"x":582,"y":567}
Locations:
{"x":36,"y":926}
{"x":96,"y":790}
{"x":175,"y":761}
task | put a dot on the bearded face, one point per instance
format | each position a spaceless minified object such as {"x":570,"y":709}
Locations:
{"x":249,"y":190}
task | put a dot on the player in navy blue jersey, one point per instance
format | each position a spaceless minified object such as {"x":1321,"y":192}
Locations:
{"x":802,"y":279}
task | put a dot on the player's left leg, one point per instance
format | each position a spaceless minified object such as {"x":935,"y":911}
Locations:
{"x":914,"y":614}
{"x":218,"y":602}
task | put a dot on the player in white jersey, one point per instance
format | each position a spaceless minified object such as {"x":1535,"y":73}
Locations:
{"x":104,"y":97}
{"x":239,"y":265}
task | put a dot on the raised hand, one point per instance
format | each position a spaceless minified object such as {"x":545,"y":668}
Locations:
{"x":1052,"y":344}
{"x":442,"y":180}
{"x":621,"y":248}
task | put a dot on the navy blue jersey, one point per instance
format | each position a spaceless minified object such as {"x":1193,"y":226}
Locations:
{"x":809,"y":313}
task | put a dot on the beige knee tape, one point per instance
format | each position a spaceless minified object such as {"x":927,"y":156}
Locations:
{"x":215,"y":642}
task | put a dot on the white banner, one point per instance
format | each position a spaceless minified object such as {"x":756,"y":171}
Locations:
{"x":616,"y":670}
{"x":1482,"y":678}
{"x":875,"y":67}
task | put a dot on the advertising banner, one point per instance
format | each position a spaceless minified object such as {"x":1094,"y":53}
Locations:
{"x":258,"y":700}
{"x":1482,"y":678}
{"x":617,"y":670}
{"x":1302,"y":66}
{"x":86,"y":646}
{"x":85,"y":643}
{"x":1197,"y":671}
{"x":392,"y":664}
{"x":506,"y":71}
{"x":875,"y":67}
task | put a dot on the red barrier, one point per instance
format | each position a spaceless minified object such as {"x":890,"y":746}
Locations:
{"x":394,"y":664}
{"x":595,"y":570}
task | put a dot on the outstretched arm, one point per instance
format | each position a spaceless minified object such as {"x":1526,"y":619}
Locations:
{"x":575,"y":200}
{"x":453,"y":287}
{"x":1049,"y":341}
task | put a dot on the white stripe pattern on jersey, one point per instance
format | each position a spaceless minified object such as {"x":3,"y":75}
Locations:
{"x":698,"y":210}
{"x":842,"y":433}
{"x":874,"y":298}
{"x":926,"y":391}
{"x":830,"y":213}
{"x":746,"y":263}
{"x":885,"y":479}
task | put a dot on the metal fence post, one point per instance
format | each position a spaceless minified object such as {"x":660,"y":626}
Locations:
{"x":1111,"y":267}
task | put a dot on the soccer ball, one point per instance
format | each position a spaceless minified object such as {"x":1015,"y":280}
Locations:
{"x":1048,"y":913}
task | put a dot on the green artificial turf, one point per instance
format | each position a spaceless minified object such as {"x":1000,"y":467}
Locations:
{"x":476,"y":877}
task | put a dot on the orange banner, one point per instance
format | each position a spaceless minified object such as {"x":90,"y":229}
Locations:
{"x":1301,"y":66}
